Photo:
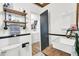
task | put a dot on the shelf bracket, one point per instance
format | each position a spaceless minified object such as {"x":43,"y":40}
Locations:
{"x":5,"y":27}
{"x":25,"y":21}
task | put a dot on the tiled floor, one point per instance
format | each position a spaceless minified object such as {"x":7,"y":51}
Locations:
{"x":49,"y":51}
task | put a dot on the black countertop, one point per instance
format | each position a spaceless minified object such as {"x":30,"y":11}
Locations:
{"x":10,"y":36}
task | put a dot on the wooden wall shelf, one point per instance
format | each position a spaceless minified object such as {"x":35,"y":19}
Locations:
{"x":7,"y":10}
{"x":14,"y":11}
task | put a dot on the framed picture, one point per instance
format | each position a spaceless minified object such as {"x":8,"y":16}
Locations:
{"x":33,"y":26}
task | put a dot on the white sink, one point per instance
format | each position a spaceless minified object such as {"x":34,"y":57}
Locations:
{"x":67,"y":41}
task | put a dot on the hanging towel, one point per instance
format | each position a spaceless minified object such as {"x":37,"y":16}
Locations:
{"x":14,"y":29}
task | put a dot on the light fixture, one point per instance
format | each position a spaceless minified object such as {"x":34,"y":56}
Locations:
{"x":42,"y":4}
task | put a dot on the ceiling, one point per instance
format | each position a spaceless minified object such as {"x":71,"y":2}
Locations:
{"x":41,"y":4}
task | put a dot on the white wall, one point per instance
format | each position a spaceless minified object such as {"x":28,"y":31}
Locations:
{"x":35,"y":33}
{"x":28,"y":6}
{"x":61,"y":16}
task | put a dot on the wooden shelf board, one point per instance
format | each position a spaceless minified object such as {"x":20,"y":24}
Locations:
{"x":17,"y":25}
{"x":14,"y":11}
{"x":14,"y":22}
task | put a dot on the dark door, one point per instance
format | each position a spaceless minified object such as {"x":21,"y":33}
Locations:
{"x":44,"y":30}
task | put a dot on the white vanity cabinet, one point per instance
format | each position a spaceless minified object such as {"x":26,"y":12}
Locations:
{"x":17,"y":49}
